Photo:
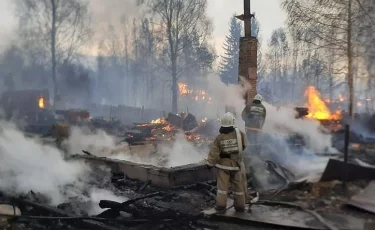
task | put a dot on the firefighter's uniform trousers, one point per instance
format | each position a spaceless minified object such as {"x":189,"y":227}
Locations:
{"x":253,"y":138}
{"x":226,"y":156}
{"x":231,"y":175}
{"x":253,"y":148}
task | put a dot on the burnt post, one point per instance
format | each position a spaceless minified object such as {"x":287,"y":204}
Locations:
{"x":346,"y":151}
{"x":247,"y":66}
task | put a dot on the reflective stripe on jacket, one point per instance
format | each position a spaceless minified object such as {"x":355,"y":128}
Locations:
{"x":229,"y":145}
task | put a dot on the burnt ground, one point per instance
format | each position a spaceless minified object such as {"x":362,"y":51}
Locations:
{"x":179,"y":208}
{"x":171,"y":209}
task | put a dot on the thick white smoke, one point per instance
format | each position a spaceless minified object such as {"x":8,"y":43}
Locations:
{"x":182,"y":152}
{"x":83,"y":139}
{"x":170,"y":154}
{"x":280,"y":123}
{"x":226,"y":95}
{"x":27,"y":165}
{"x":282,"y":120}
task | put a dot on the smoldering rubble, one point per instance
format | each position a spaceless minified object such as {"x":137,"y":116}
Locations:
{"x":294,"y":150}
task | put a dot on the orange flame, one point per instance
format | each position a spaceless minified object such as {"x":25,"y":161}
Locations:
{"x":168,"y":128}
{"x":183,"y":89}
{"x":41,"y":103}
{"x":159,"y":121}
{"x":193,"y":137}
{"x":317,"y":107}
{"x":341,"y":97}
{"x":196,"y":95}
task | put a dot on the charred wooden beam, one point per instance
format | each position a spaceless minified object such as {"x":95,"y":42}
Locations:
{"x":116,"y":207}
{"x":51,"y":210}
{"x":301,"y":112}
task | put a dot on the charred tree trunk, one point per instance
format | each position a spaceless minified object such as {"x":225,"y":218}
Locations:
{"x":53,"y":49}
{"x":174,"y":87}
{"x":127,"y":74}
{"x":350,"y":60}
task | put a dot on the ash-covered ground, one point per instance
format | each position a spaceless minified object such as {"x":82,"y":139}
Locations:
{"x":51,"y":177}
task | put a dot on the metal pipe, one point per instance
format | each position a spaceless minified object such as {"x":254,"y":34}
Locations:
{"x":247,"y":18}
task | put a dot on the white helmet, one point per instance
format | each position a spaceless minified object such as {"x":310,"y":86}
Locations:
{"x":227,"y":120}
{"x":258,"y":97}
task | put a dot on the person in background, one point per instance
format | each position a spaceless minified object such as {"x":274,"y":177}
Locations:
{"x":226,"y":155}
{"x":254,"y":115}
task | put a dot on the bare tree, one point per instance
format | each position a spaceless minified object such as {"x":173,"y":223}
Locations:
{"x":329,"y":25}
{"x":179,"y":20}
{"x":278,"y":56}
{"x":58,"y":27}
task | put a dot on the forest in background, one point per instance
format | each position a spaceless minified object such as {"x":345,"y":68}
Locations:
{"x":161,"y":58}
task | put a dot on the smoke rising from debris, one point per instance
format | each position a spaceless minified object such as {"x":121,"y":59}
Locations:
{"x":27,"y":165}
{"x":83,"y":139}
{"x":282,"y":120}
{"x":182,"y":152}
{"x":171,"y":154}
{"x":279,"y":126}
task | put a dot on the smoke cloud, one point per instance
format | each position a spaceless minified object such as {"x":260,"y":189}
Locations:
{"x":182,"y":152}
{"x":97,"y":141}
{"x":27,"y":165}
{"x":169,"y":154}
{"x":282,"y":120}
{"x":280,"y":126}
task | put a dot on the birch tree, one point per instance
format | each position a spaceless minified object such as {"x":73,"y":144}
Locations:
{"x":179,"y":20}
{"x":58,"y":28}
{"x":329,"y":25}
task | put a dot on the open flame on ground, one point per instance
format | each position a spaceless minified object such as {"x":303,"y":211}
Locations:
{"x":162,"y":130}
{"x":41,"y":103}
{"x":196,"y":95}
{"x":317,"y":107}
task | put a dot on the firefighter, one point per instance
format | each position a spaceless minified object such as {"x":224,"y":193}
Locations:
{"x":254,"y":115}
{"x":226,"y":156}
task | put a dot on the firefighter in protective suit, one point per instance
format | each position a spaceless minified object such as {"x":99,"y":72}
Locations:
{"x":254,"y":116}
{"x":226,"y":156}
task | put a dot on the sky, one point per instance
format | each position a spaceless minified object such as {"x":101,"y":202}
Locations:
{"x":268,"y":12}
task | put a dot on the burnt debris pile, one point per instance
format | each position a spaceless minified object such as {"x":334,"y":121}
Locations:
{"x":147,"y":208}
{"x":164,"y":129}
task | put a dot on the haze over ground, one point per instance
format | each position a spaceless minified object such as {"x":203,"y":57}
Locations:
{"x":220,"y":11}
